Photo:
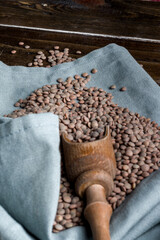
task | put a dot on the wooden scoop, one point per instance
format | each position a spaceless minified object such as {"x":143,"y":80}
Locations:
{"x":92,"y":166}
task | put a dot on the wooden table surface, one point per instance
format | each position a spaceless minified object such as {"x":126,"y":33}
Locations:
{"x":43,"y":24}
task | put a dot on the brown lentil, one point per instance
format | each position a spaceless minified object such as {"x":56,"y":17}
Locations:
{"x":56,"y":47}
{"x":27,"y":46}
{"x":78,"y":52}
{"x":21,"y":43}
{"x":55,"y":57}
{"x":83,"y":114}
{"x":123,"y":89}
{"x":13,"y":51}
{"x":112,"y":86}
{"x":30,"y":64}
{"x":94,"y":70}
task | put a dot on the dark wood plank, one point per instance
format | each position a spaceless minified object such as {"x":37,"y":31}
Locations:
{"x":127,"y":23}
{"x":145,"y":53}
{"x":115,"y":17}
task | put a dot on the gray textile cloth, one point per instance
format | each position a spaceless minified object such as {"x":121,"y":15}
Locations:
{"x":30,"y":158}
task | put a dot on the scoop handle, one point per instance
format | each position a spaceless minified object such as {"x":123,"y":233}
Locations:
{"x":98,"y":212}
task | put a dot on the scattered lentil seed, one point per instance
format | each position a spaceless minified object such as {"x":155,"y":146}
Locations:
{"x":21,"y":43}
{"x":56,"y":47}
{"x":29,"y":64}
{"x":94,"y":70}
{"x":112,"y":86}
{"x":27,"y":46}
{"x":56,"y":57}
{"x":123,"y":89}
{"x":78,"y":52}
{"x":13,"y":51}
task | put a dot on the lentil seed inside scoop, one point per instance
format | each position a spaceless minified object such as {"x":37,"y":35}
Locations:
{"x":83,"y":113}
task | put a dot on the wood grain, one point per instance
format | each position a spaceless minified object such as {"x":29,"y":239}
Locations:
{"x":119,"y":18}
{"x":147,"y":54}
{"x":132,"y":24}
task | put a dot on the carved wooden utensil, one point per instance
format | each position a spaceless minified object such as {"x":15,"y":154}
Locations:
{"x":92,"y":166}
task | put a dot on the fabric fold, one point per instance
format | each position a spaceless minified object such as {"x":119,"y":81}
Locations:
{"x":30,"y":171}
{"x":30,"y":156}
{"x":139,"y":216}
{"x":10,"y":229}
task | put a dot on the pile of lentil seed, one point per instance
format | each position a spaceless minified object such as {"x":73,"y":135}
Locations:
{"x":83,"y":113}
{"x":53,"y":57}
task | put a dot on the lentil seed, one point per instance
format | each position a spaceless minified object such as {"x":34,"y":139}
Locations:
{"x":136,"y":150}
{"x":113,"y":87}
{"x":13,"y":51}
{"x":94,"y":70}
{"x":27,"y":46}
{"x":123,"y":89}
{"x":79,"y":52}
{"x":21,"y":43}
